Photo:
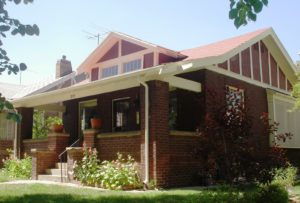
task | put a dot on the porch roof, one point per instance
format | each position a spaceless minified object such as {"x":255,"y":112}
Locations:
{"x":165,"y":72}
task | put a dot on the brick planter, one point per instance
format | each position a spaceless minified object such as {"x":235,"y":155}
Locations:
{"x":42,"y":160}
{"x":74,"y":154}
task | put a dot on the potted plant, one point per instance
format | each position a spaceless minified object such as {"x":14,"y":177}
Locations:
{"x":56,"y":124}
{"x":96,"y":122}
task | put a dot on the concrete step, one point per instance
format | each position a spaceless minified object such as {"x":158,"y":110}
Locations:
{"x":53,"y":178}
{"x":56,"y":171}
{"x":58,"y":165}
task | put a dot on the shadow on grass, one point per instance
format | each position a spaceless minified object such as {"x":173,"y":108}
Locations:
{"x":163,"y":198}
{"x":46,"y":198}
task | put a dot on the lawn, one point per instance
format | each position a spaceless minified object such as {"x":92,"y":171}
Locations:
{"x":36,"y":193}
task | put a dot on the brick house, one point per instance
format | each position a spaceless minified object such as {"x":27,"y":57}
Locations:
{"x":151,"y":100}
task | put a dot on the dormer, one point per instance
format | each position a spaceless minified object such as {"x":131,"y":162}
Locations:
{"x":120,"y":54}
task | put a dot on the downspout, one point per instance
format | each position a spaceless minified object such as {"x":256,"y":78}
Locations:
{"x":146,"y":181}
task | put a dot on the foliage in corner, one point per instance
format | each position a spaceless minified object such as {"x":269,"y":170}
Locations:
{"x":285,"y":177}
{"x":17,"y":168}
{"x":12,"y":26}
{"x":229,"y":150}
{"x":296,"y":93}
{"x":243,"y":11}
{"x":7,"y":108}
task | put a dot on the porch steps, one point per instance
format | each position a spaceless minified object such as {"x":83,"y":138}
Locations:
{"x":54,"y":174}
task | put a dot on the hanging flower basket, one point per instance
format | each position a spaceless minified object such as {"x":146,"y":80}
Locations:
{"x":96,"y":123}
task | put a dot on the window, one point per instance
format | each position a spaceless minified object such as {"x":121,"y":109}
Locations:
{"x":7,"y":128}
{"x":110,"y":71}
{"x":121,"y":114}
{"x":234,"y":97}
{"x":132,"y":65}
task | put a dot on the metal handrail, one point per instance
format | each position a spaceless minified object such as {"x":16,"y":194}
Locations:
{"x":60,"y":159}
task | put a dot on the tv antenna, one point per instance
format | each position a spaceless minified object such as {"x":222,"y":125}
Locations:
{"x":95,"y":36}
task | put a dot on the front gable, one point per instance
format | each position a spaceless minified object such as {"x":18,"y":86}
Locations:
{"x":263,"y":61}
{"x":120,"y":53}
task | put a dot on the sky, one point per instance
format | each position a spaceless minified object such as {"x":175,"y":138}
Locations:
{"x":177,"y":24}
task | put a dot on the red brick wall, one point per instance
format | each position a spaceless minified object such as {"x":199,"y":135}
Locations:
{"x":109,"y":147}
{"x":183,"y":164}
{"x":4,"y":145}
{"x":39,"y":144}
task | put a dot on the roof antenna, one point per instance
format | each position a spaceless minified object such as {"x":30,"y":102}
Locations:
{"x":95,"y":36}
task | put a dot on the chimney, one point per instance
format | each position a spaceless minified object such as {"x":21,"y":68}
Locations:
{"x":63,"y":67}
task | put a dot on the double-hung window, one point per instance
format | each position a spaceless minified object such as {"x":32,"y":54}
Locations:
{"x":234,"y":97}
{"x":132,"y":65}
{"x":109,"y":71}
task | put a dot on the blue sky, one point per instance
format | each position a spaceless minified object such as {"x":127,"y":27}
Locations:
{"x":173,"y":24}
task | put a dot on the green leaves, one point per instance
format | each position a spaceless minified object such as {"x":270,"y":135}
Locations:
{"x":243,"y":11}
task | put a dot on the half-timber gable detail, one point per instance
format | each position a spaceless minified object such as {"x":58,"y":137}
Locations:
{"x":257,"y":63}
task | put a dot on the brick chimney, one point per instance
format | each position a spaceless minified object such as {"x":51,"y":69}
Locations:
{"x":63,"y":67}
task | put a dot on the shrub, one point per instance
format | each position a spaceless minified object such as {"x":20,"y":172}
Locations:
{"x":274,"y":193}
{"x":116,"y":175}
{"x":87,"y":170}
{"x":285,"y":176}
{"x":119,"y":174}
{"x":17,"y":168}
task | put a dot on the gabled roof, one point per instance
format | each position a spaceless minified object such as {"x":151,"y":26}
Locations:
{"x":115,"y":36}
{"x":221,"y":47}
{"x":221,"y":51}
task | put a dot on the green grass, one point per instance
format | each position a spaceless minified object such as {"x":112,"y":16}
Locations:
{"x":36,"y":193}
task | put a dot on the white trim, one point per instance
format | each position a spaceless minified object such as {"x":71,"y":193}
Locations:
{"x":240,"y":63}
{"x":228,"y":64}
{"x":251,"y":63}
{"x":260,"y":62}
{"x":269,"y":62}
{"x":278,"y":75}
{"x":183,"y":83}
{"x":245,"y":79}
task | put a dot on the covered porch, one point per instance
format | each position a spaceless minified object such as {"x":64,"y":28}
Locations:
{"x":152,"y":117}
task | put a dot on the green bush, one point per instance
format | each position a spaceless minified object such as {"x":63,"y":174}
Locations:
{"x":285,"y":176}
{"x":87,"y":170}
{"x":119,"y":174}
{"x":273,"y":193}
{"x":17,"y":168}
{"x":116,"y":175}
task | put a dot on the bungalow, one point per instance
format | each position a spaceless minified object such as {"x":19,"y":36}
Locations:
{"x":151,"y":100}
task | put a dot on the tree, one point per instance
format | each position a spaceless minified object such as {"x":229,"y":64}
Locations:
{"x":229,"y":150}
{"x":296,"y":92}
{"x":243,"y":11}
{"x":13,"y":27}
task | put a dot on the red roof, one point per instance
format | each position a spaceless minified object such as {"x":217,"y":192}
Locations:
{"x":221,"y":47}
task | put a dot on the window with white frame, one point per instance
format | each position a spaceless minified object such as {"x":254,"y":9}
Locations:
{"x":132,"y":65}
{"x":110,"y":71}
{"x":234,"y":97}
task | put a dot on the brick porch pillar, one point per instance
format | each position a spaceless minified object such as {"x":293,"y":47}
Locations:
{"x":159,"y":157}
{"x":57,"y":142}
{"x":89,"y":138}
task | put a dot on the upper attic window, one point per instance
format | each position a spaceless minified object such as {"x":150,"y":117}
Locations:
{"x":132,"y":65}
{"x":110,"y":71}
